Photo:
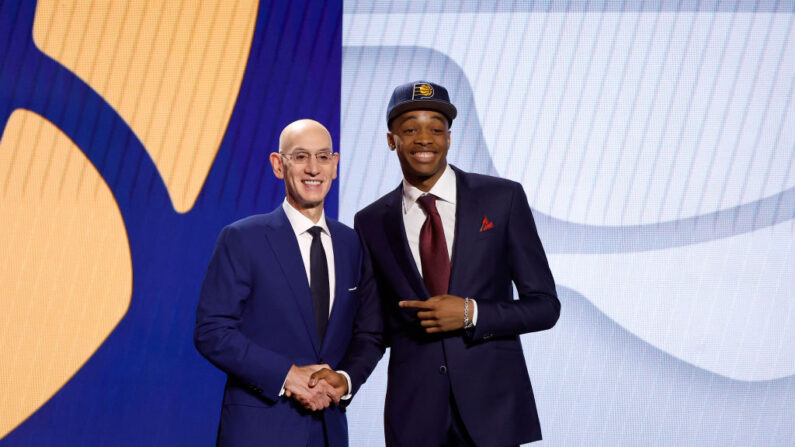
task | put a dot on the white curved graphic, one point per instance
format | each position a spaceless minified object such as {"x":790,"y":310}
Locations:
{"x":621,"y":120}
{"x":656,"y":149}
{"x":724,"y":306}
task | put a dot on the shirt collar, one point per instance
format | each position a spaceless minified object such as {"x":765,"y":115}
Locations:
{"x":301,"y":223}
{"x":444,"y":189}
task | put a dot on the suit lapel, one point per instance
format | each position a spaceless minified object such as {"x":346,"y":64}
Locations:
{"x":399,"y":245}
{"x":285,"y":246}
{"x":467,"y":222}
{"x":342,"y":264}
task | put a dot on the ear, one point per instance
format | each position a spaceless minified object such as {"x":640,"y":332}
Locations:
{"x":277,"y":164}
{"x":335,"y":162}
{"x":390,"y":140}
{"x":448,"y":139}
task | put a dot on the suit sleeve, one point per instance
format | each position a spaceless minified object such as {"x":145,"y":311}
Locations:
{"x":217,"y":336}
{"x":367,"y":344}
{"x":538,"y":307}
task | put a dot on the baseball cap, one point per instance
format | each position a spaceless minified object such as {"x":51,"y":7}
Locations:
{"x":420,"y":95}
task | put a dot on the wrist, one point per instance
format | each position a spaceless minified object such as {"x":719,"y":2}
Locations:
{"x":468,"y":321}
{"x":348,"y":385}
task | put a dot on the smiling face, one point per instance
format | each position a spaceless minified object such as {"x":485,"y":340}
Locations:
{"x":306,"y":184}
{"x":421,"y":139}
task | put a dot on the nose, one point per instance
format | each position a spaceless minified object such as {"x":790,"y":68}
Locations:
{"x":312,"y":166}
{"x":423,"y":137}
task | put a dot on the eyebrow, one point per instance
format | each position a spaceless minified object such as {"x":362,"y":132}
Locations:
{"x":309,"y":150}
{"x":435,"y":117}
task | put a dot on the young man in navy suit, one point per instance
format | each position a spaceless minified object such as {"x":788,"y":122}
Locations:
{"x":278,"y":303}
{"x":442,"y":252}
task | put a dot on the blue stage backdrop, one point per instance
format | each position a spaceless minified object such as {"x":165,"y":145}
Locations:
{"x":133,"y":131}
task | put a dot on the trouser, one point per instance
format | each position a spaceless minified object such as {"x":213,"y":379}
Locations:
{"x":457,"y":434}
{"x":317,"y":432}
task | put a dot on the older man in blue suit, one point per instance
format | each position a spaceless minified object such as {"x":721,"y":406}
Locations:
{"x":443,"y":250}
{"x":278,"y":303}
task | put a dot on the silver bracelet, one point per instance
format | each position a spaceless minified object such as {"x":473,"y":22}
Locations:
{"x":467,"y":323}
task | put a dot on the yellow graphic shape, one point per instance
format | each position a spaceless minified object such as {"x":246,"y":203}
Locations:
{"x":172,"y":69}
{"x":65,"y":264}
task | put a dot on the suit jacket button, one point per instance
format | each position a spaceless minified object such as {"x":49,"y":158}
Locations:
{"x":443,"y":369}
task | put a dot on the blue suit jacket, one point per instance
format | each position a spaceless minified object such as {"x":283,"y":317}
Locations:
{"x":484,"y":368}
{"x":255,"y":319}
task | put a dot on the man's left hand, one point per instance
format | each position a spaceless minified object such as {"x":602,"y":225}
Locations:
{"x":441,"y":313}
{"x":333,"y":380}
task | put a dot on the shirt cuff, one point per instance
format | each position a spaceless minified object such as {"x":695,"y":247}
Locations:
{"x":283,"y":390}
{"x":474,"y":311}
{"x":347,"y":395}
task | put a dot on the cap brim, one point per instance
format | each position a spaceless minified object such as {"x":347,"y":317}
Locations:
{"x":445,"y":108}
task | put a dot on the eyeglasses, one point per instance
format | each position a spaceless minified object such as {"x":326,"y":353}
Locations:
{"x":302,"y":157}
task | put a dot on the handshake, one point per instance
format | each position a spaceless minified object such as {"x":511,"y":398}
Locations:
{"x":315,"y":387}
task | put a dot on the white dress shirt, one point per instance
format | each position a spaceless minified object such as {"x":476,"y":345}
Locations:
{"x":301,"y":224}
{"x":414,"y":217}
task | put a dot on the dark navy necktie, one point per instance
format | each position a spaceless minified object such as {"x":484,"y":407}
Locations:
{"x":433,"y":248}
{"x":319,"y":286}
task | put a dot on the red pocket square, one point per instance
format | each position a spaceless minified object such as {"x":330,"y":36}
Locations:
{"x":486,"y":225}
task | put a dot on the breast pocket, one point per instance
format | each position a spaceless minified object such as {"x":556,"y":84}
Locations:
{"x":487,"y":234}
{"x":490,"y":230}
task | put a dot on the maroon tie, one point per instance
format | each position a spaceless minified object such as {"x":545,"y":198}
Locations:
{"x":433,"y":248}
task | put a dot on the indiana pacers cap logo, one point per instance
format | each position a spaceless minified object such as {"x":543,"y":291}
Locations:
{"x":422,"y":91}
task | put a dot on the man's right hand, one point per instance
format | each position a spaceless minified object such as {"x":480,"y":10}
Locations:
{"x":297,"y":387}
